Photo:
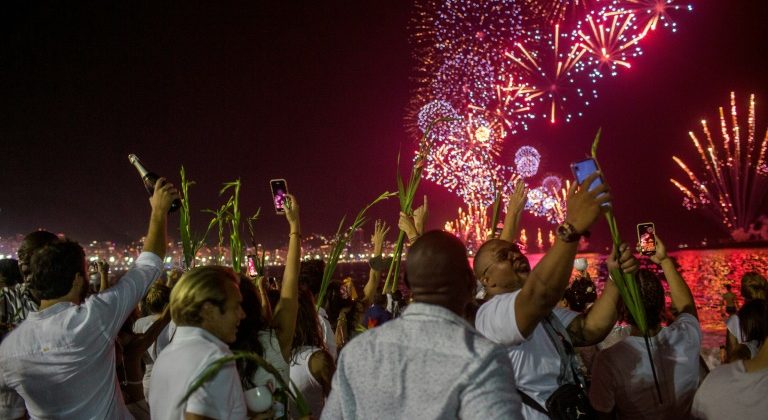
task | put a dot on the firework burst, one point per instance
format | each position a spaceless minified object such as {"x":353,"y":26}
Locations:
{"x":734,"y":184}
{"x":651,"y":12}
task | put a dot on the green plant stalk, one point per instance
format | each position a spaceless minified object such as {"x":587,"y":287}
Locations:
{"x":214,"y":367}
{"x":625,"y":282}
{"x":189,"y":242}
{"x":236,"y":249}
{"x":219,"y":220}
{"x":341,"y":240}
{"x":406,"y":197}
{"x":260,"y":259}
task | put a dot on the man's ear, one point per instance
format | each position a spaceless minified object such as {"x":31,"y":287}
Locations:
{"x":206,"y":311}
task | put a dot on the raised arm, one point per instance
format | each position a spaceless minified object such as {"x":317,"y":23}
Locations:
{"x":103,"y":268}
{"x":514,"y":210}
{"x":161,"y":201}
{"x":591,"y":328}
{"x":413,"y":226}
{"x":681,"y":295}
{"x":374,"y":276}
{"x":547,"y":282}
{"x":266,"y":307}
{"x":287,"y":308}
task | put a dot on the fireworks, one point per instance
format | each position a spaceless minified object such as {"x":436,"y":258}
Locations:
{"x":734,"y":183}
{"x":609,"y":41}
{"x":527,"y":161}
{"x":555,"y":11}
{"x":652,"y":12}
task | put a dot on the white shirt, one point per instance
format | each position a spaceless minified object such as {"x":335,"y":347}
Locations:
{"x":622,"y":377}
{"x":177,"y":367}
{"x":535,"y":360}
{"x":306,"y":383}
{"x":427,"y":364}
{"x":730,"y":392}
{"x":734,"y":327}
{"x":140,"y":327}
{"x":328,"y":336}
{"x":61,"y":360}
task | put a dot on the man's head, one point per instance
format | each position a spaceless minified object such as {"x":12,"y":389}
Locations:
{"x":753,"y":286}
{"x":501,"y":267}
{"x":439,"y":272}
{"x":380,"y":300}
{"x":58,"y":271}
{"x":728,"y":287}
{"x":31,"y":243}
{"x":208,"y":297}
{"x":157,"y":298}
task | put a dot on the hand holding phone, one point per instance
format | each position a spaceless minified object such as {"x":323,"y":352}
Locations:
{"x":279,"y":191}
{"x":646,"y":238}
{"x":583,"y":169}
{"x":251,"y":266}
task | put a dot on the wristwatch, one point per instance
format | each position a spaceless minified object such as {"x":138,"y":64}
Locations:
{"x":567,"y":233}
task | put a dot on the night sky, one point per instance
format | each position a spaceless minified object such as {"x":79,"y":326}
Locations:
{"x":314,"y":92}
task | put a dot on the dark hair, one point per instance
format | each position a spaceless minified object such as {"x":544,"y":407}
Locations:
{"x":308,"y":332}
{"x":9,"y":271}
{"x":580,"y":293}
{"x":652,"y":295}
{"x":157,"y":298}
{"x":753,"y":286}
{"x":311,"y":275}
{"x":753,"y":319}
{"x":248,"y":331}
{"x":380,"y":299}
{"x":31,"y":243}
{"x":54,"y":268}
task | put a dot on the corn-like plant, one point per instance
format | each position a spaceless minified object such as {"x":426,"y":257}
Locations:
{"x":190,"y":244}
{"x":214,"y":367}
{"x":340,"y":243}
{"x":220,"y":217}
{"x":406,"y":196}
{"x":236,"y":248}
{"x":259,"y":261}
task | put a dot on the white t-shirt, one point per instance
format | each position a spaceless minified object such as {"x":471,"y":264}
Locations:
{"x":535,"y":359}
{"x":730,"y":392}
{"x":622,"y":376}
{"x":328,"y":336}
{"x":306,"y":383}
{"x":177,"y":367}
{"x":61,"y":360}
{"x":140,"y":327}
{"x":734,"y":327}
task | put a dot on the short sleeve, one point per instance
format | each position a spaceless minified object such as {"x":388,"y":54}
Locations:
{"x":566,"y":316}
{"x":602,"y":391}
{"x":688,"y":327}
{"x":491,"y":393}
{"x":496,"y":320}
{"x":215,"y":398}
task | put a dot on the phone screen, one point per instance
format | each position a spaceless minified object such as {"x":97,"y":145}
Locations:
{"x":279,"y":190}
{"x":646,"y":236}
{"x":583,"y":169}
{"x":252,"y":266}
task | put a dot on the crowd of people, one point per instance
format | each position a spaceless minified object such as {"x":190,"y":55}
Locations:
{"x":494,"y":339}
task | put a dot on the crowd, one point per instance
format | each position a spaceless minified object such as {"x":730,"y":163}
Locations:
{"x":497,"y":339}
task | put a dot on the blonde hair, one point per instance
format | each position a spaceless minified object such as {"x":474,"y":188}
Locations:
{"x":197,"y":286}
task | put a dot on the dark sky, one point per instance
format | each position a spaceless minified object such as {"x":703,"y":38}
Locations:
{"x":314,"y":92}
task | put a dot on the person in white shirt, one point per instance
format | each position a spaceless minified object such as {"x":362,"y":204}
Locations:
{"x":60,"y":362}
{"x":623,"y":381}
{"x":737,"y":390}
{"x":753,"y":286}
{"x":205,"y":305}
{"x":154,"y":302}
{"x":521,"y":312}
{"x":429,"y":363}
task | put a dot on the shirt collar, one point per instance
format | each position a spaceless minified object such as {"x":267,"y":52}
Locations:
{"x":190,"y":332}
{"x":416,"y":309}
{"x":51,"y":310}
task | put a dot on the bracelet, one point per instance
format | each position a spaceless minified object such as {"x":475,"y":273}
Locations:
{"x":295,"y":233}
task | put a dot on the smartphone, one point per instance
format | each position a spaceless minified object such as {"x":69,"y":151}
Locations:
{"x":279,"y":190}
{"x":583,"y":169}
{"x":252,"y":266}
{"x":646,"y":237}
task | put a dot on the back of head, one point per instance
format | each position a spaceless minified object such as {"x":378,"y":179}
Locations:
{"x":9,"y":272}
{"x":753,"y":286}
{"x":580,"y":294}
{"x":753,"y":319}
{"x":30,"y":244}
{"x":54,"y":267}
{"x":196,"y":287}
{"x":253,"y":322}
{"x":439,"y":272}
{"x":380,"y":300}
{"x":157,"y":298}
{"x":652,"y":294}
{"x":311,"y":275}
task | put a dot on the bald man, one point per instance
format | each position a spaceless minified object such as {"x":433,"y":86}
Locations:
{"x":429,"y":363}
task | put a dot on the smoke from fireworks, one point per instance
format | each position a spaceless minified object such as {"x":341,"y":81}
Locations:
{"x":734,"y":183}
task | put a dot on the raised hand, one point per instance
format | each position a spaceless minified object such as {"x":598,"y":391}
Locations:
{"x":517,"y":198}
{"x":661,"y":252}
{"x":379,"y":232}
{"x":406,"y":224}
{"x":420,"y":217}
{"x":626,"y":260}
{"x":164,"y":195}
{"x":292,"y":212}
{"x":584,"y":206}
